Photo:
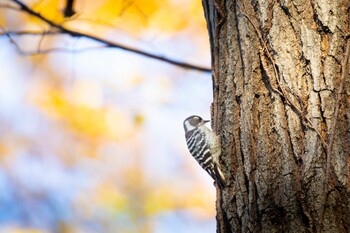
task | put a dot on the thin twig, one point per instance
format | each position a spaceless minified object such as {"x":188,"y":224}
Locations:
{"x":41,"y":40}
{"x":30,"y":33}
{"x":40,"y":51}
{"x":25,"y":8}
{"x":56,"y":50}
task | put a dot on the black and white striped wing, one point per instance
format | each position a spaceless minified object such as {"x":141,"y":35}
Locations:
{"x":199,"y":149}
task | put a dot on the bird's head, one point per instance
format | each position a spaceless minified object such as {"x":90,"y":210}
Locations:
{"x":193,"y":122}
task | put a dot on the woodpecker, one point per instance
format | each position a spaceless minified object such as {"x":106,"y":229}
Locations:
{"x":204,"y":146}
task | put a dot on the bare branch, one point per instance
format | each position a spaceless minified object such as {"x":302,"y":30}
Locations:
{"x":29,"y":33}
{"x":107,"y":43}
{"x":69,"y":10}
{"x":40,"y":51}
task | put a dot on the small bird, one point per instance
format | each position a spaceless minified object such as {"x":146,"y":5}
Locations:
{"x":204,"y":146}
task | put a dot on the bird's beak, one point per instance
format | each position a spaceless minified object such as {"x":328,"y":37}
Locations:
{"x":206,"y":121}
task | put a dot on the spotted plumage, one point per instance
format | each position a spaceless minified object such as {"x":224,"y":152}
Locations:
{"x":204,"y":146}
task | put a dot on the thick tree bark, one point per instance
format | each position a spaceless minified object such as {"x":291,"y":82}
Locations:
{"x":282,"y":109}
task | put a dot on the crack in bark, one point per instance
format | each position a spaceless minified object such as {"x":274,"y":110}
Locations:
{"x":298,"y":160}
{"x":318,"y":22}
{"x":238,"y":40}
{"x":219,"y":19}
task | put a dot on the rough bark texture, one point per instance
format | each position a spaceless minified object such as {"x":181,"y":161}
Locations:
{"x":277,"y":70}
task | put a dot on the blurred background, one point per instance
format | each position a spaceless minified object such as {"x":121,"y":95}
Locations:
{"x":91,"y":138}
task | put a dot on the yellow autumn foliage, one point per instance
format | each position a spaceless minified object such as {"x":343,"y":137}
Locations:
{"x":108,"y":196}
{"x":165,"y":199}
{"x":25,"y":230}
{"x":131,"y":16}
{"x":125,"y":15}
{"x":159,"y":200}
{"x":74,"y":111}
{"x":4,"y":149}
{"x":151,"y":199}
{"x":52,"y":9}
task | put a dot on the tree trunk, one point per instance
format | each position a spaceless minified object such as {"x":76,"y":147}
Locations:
{"x":282,"y":108}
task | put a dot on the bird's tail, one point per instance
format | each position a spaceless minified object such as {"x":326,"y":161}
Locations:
{"x":219,"y":177}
